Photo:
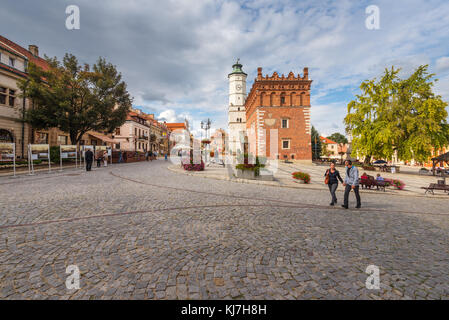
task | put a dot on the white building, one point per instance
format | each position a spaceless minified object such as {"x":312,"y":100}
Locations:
{"x":236,"y":111}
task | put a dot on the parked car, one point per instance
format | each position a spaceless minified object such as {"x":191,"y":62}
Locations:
{"x":380,"y":162}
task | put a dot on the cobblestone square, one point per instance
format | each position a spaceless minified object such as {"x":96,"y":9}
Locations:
{"x":141,"y":231}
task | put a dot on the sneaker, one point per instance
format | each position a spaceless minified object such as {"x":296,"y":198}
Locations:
{"x":331,"y":203}
{"x":358,"y":207}
{"x":343,"y":206}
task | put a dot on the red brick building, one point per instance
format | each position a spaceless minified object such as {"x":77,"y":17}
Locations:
{"x":280,"y":103}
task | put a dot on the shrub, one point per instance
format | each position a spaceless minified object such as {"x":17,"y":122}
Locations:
{"x":301,"y":176}
{"x":193,"y":166}
{"x":398,"y":184}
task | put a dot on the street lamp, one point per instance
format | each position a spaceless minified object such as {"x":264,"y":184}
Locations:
{"x":206,"y":126}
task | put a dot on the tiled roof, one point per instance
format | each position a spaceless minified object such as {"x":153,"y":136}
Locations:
{"x":176,"y":125}
{"x":31,"y":58}
{"x":328,"y":141}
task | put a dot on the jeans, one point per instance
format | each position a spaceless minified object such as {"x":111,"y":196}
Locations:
{"x":332,"y":188}
{"x":357,"y":195}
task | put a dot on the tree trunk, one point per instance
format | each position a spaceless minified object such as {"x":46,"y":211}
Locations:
{"x":367,"y":160}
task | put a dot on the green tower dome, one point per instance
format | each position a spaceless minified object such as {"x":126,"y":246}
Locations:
{"x":237,"y":68}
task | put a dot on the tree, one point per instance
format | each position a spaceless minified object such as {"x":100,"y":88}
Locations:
{"x":338,"y":138}
{"x":398,"y":116}
{"x":325,"y":152}
{"x":316,"y":144}
{"x":75,"y":99}
{"x":341,"y":140}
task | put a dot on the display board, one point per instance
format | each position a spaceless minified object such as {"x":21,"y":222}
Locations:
{"x":68,"y":152}
{"x":38,"y":152}
{"x":8,"y":153}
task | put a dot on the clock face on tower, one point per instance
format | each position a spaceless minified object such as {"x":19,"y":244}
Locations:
{"x":238,"y":87}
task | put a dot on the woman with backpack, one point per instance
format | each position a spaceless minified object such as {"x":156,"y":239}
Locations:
{"x":331,"y":179}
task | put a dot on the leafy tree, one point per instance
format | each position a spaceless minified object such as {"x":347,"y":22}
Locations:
{"x":316,"y":144}
{"x":341,"y":140}
{"x":325,"y":152}
{"x":338,"y":138}
{"x":394,"y":115}
{"x":75,"y":98}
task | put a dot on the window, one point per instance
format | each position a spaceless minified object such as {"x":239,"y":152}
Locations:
{"x":41,"y":138}
{"x":117,"y":131}
{"x":2,"y":95}
{"x":117,"y":145}
{"x":62,"y":140}
{"x":135,"y":131}
{"x":12,"y":97}
{"x":285,"y":144}
{"x":284,"y":123}
{"x":282,"y":100}
{"x":12,"y":62}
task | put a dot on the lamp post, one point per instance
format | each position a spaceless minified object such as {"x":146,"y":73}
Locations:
{"x":206,"y":127}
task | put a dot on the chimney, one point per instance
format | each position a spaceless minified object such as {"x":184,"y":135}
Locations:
{"x":306,"y":73}
{"x":259,"y":73}
{"x":34,"y":49}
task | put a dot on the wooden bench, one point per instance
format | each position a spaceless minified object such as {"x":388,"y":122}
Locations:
{"x":435,"y":186}
{"x":371,"y":182}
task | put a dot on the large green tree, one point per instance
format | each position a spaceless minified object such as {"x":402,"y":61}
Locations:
{"x":76,"y":98}
{"x":338,"y":138}
{"x":394,"y":115}
{"x":316,"y":144}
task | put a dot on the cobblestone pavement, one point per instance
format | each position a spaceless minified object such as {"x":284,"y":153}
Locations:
{"x":140,"y":231}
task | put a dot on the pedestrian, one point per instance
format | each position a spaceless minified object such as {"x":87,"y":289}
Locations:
{"x":150,"y":154}
{"x":89,"y":158}
{"x":332,"y":176}
{"x":146,"y":155}
{"x":120,"y":157}
{"x":351,"y":183}
{"x":99,"y":159}
{"x":166,"y":156}
{"x":105,"y":158}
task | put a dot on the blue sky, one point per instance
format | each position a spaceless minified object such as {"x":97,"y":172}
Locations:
{"x":175,"y":55}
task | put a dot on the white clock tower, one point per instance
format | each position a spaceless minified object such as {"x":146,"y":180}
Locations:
{"x":236,"y":111}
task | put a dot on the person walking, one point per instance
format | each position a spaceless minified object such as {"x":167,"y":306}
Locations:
{"x":89,"y":158}
{"x":166,"y":156}
{"x":332,"y":176}
{"x":99,"y":159}
{"x":105,"y":158}
{"x":351,"y":183}
{"x":120,"y":157}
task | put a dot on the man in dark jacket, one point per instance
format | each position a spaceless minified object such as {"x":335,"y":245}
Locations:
{"x":89,"y":157}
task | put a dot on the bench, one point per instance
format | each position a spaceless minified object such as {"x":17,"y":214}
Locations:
{"x":436,"y":186}
{"x":371,"y":182}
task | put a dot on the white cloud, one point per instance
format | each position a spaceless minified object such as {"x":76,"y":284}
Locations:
{"x":442,"y":64}
{"x":175,"y":55}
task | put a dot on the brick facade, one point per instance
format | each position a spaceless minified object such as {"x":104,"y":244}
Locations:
{"x":280,"y":103}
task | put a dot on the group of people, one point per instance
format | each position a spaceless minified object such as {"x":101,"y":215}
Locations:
{"x":89,"y":158}
{"x":351,"y":182}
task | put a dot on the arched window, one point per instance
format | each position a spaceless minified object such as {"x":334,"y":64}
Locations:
{"x":6,"y":136}
{"x":283,"y":99}
{"x":272,"y":99}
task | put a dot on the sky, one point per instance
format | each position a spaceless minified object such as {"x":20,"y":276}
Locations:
{"x":175,"y":55}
